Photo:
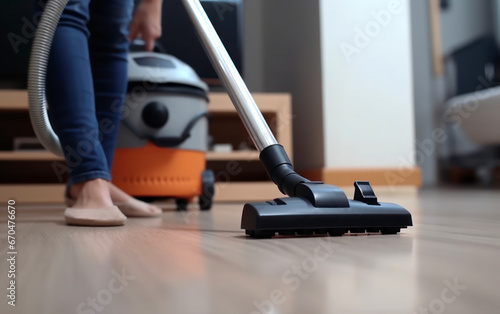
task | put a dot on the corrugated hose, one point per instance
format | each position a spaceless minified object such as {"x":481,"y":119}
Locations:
{"x":37,"y":71}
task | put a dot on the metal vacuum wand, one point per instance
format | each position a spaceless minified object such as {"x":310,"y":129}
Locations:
{"x":236,"y":88}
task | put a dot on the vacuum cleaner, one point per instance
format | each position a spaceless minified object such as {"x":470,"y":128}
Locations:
{"x":163,"y":137}
{"x":311,"y":208}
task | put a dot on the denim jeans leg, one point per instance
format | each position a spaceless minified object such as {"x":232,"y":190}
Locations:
{"x":71,"y":98}
{"x":108,"y":44}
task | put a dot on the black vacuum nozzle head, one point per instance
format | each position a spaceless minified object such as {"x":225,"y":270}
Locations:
{"x":334,"y":215}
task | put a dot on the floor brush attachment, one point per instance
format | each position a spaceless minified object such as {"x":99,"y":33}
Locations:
{"x":316,"y":208}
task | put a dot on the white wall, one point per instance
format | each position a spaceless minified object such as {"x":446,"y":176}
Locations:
{"x":367,"y":96}
{"x":349,"y":115}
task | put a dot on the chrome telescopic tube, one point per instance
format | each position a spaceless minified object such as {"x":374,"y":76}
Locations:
{"x":236,"y":88}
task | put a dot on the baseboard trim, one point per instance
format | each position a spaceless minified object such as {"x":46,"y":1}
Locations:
{"x":376,"y":176}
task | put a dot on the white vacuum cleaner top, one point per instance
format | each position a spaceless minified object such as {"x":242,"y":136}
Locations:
{"x":163,"y":69}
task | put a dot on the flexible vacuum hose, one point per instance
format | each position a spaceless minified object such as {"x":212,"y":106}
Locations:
{"x":37,"y":72}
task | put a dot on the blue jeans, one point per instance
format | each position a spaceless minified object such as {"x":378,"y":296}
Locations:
{"x":87,"y":83}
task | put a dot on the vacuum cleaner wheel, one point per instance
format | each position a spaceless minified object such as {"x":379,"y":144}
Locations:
{"x":182,"y":204}
{"x":206,"y":198}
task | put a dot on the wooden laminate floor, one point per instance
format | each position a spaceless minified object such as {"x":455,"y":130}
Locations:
{"x":201,"y":262}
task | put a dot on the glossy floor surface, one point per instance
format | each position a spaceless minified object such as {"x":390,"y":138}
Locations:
{"x":201,"y":262}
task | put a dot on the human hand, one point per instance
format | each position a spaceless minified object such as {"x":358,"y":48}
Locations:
{"x":146,"y":22}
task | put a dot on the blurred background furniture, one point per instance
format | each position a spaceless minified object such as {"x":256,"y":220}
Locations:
{"x":470,"y":113}
{"x":35,"y":175}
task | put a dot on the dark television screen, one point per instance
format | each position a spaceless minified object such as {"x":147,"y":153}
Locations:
{"x":179,"y":37}
{"x":17,"y":21}
{"x":16,"y":32}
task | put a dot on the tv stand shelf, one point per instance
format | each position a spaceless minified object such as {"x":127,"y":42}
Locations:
{"x":28,"y":176}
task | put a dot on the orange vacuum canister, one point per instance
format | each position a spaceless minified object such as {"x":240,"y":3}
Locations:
{"x":163,"y":137}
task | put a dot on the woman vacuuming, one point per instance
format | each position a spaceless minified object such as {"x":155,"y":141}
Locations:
{"x":86,"y":86}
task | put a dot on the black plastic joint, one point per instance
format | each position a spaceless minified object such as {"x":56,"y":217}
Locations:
{"x":363,"y":192}
{"x":280,"y":169}
{"x":273,"y":156}
{"x":322,"y":195}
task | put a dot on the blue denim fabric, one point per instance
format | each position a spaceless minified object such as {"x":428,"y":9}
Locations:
{"x":87,"y":82}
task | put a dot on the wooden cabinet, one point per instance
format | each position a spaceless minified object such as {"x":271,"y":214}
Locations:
{"x":31,"y":175}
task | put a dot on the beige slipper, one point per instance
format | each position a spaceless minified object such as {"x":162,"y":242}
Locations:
{"x":128,"y":208}
{"x":111,"y":216}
